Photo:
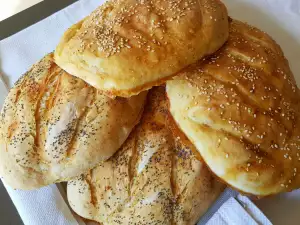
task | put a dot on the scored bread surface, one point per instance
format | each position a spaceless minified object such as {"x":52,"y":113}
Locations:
{"x":241,"y":109}
{"x":127,"y":46}
{"x":54,"y":126}
{"x":155,"y":178}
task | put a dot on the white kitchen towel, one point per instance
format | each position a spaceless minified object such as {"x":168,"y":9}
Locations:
{"x":3,"y":91}
{"x":44,"y":206}
{"x":280,"y":18}
{"x":232,"y":208}
{"x":239,"y":211}
{"x":252,"y":210}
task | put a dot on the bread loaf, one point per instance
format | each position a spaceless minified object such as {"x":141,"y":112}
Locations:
{"x":241,"y":109}
{"x":155,"y":178}
{"x":127,"y":46}
{"x":54,"y":126}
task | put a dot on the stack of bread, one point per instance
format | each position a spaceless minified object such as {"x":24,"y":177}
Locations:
{"x":148,"y":109}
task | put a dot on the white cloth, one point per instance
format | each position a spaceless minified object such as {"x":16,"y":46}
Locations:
{"x":239,"y":211}
{"x":3,"y":91}
{"x":17,"y":53}
{"x":44,"y":206}
{"x":253,"y":211}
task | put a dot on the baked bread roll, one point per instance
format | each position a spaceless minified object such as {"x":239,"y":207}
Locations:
{"x":54,"y":127}
{"x":153,"y":179}
{"x":127,"y":46}
{"x":241,"y":109}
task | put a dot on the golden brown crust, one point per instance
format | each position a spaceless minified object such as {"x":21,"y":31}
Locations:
{"x":241,"y":109}
{"x":52,"y":125}
{"x":153,"y":179}
{"x":127,"y":46}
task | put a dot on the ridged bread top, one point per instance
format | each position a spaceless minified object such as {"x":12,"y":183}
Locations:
{"x":54,"y":126}
{"x":155,"y":178}
{"x":127,"y":46}
{"x":241,"y":109}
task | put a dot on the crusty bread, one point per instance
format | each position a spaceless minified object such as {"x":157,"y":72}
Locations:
{"x":153,"y":179}
{"x":127,"y":46}
{"x":241,"y":109}
{"x":55,"y":126}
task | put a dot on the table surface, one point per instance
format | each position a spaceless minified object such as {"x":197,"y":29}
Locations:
{"x":8,"y":27}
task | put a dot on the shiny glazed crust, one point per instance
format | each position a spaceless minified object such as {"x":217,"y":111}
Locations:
{"x":240,"y":108}
{"x":127,"y":46}
{"x":153,"y":179}
{"x":52,"y":125}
